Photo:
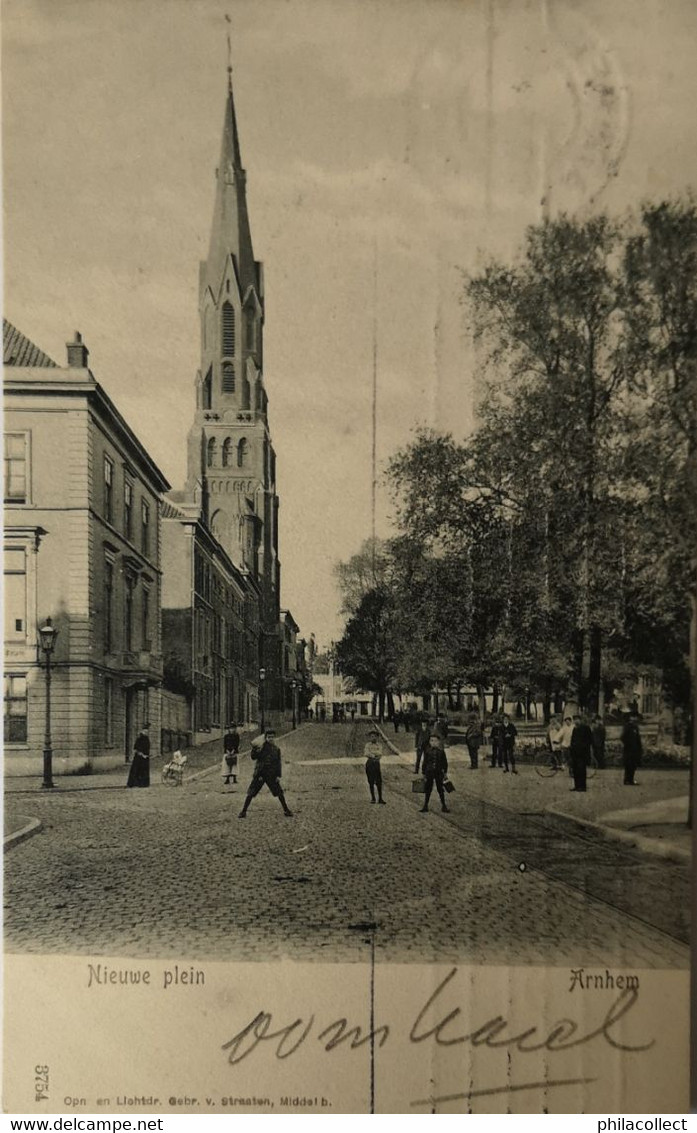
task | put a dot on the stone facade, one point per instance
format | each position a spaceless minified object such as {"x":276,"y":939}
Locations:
{"x":210,"y":625}
{"x":82,"y":545}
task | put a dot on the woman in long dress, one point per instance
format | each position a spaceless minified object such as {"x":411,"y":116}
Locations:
{"x":139,"y":774}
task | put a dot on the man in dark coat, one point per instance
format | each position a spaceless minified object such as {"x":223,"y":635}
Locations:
{"x":267,"y":771}
{"x":580,"y":752}
{"x":599,"y":734}
{"x":508,"y":735}
{"x":496,"y":740}
{"x":632,"y":749}
{"x":474,"y":740}
{"x":421,"y":742}
{"x":434,"y":771}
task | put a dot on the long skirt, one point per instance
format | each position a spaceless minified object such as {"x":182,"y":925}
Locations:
{"x":139,"y":774}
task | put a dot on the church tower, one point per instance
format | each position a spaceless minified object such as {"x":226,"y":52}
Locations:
{"x":231,"y":460}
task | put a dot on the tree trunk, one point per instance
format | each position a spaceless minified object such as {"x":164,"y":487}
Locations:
{"x":390,"y":705}
{"x":481,"y":699}
{"x":494,"y":699}
{"x":595,"y":663}
{"x":547,"y":701}
{"x":693,"y":714}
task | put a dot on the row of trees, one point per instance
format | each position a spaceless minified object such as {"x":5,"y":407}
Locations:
{"x":553,"y":551}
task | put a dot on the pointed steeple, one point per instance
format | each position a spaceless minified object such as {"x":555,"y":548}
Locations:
{"x":230,"y":231}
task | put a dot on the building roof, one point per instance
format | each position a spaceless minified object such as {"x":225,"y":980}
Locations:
{"x":23,"y":376}
{"x":18,"y":350}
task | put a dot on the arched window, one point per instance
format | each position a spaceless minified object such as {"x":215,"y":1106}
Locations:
{"x":251,"y":329}
{"x":228,"y":326}
{"x":228,"y":377}
{"x":242,"y":453}
{"x":210,"y":452}
{"x":246,"y":394}
{"x":227,"y":448}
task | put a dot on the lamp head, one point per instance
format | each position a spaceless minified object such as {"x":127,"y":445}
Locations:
{"x":48,"y":636}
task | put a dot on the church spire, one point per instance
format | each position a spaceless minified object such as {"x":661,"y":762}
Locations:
{"x":230,"y":231}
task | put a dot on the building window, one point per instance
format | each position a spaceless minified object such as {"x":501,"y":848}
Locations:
{"x":108,"y":711}
{"x":145,"y":527}
{"x":145,"y":612}
{"x":15,"y":728}
{"x":228,"y":330}
{"x":242,"y":453}
{"x":228,"y":377}
{"x":108,"y":605}
{"x":108,"y":490}
{"x":15,"y":468}
{"x":128,"y":509}
{"x":227,"y":449}
{"x":128,"y":616}
{"x":251,"y":330}
{"x":210,"y":452}
{"x":15,"y":582}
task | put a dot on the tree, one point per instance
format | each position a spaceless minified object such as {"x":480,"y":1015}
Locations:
{"x":366,"y":651}
{"x":549,"y":326}
{"x":367,"y":570}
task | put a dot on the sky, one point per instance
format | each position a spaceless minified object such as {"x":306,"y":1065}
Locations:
{"x":390,"y":147}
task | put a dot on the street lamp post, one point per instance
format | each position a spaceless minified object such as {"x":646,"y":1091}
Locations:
{"x":262,"y":678}
{"x":293,"y":687}
{"x":48,"y":637}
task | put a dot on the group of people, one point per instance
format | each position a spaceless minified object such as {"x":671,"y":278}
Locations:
{"x":572,"y":736}
{"x":576,"y":739}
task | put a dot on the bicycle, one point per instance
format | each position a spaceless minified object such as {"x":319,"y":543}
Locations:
{"x":547,"y":763}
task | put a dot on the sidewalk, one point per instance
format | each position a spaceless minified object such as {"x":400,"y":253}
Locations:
{"x":205,"y":759}
{"x":650,"y":816}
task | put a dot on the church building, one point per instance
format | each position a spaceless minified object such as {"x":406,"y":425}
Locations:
{"x":231,"y":479}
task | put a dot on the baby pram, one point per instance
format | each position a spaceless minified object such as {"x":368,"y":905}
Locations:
{"x":173,"y":772}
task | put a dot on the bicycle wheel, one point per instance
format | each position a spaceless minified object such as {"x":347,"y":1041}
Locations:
{"x":547,"y":764}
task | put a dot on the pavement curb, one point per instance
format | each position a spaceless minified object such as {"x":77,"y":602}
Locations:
{"x":407,"y":760}
{"x":614,"y":834}
{"x":32,"y":827}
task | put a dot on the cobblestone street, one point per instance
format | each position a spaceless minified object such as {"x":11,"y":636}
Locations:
{"x":171,"y":871}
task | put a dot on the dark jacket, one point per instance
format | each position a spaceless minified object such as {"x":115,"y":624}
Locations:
{"x":435,"y":761}
{"x":231,"y":743}
{"x":509,"y":733}
{"x":268,"y":761}
{"x":473,"y":734}
{"x":142,"y":745}
{"x":581,"y":742}
{"x":423,"y":738}
{"x":631,"y":742}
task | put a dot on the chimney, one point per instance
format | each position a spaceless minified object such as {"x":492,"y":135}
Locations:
{"x":77,"y":352}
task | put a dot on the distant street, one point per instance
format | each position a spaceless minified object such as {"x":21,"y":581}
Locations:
{"x":171,"y":871}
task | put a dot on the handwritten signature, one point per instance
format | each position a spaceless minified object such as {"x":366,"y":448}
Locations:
{"x":441,"y":1021}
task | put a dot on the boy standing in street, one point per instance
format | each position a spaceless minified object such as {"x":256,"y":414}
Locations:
{"x":373,"y":755}
{"x":267,"y":770}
